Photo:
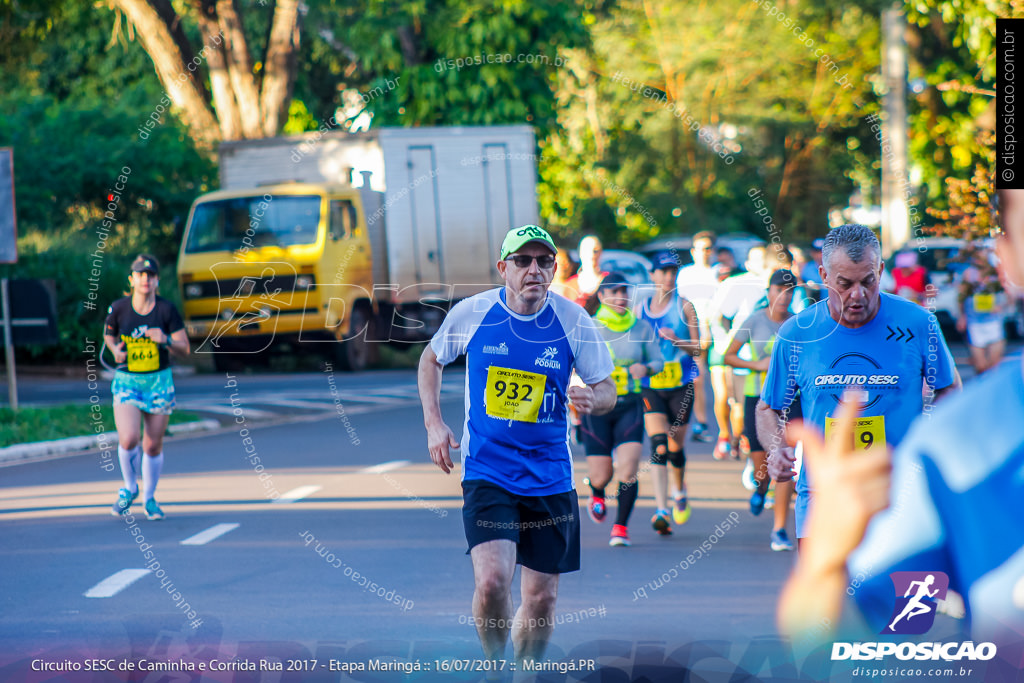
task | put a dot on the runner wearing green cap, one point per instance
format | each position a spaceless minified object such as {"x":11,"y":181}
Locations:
{"x":521,"y":346}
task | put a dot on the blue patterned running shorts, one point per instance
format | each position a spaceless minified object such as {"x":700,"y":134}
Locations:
{"x":150,"y":392}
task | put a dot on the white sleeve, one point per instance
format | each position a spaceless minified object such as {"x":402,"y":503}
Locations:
{"x":593,"y":361}
{"x":458,"y":327}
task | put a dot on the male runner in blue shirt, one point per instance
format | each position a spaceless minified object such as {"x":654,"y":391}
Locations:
{"x":957,"y":501}
{"x":885,"y":347}
{"x":521,"y":345}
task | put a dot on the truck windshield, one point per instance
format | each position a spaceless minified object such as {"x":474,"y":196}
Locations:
{"x":249,"y":222}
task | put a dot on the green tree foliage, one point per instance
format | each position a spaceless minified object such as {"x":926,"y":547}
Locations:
{"x":680,"y":114}
{"x":71,"y":106}
{"x":436,"y":53}
{"x":953,"y":115}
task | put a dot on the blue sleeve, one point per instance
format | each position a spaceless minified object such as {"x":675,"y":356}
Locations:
{"x":781,"y":383}
{"x":939,"y":368}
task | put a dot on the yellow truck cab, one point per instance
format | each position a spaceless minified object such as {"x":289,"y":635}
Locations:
{"x":371,"y":240}
{"x":289,"y":261}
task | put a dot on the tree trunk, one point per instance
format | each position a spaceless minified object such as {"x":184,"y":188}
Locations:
{"x":165,"y":42}
{"x":242,"y":107}
{"x":279,"y":66}
{"x":240,"y":68}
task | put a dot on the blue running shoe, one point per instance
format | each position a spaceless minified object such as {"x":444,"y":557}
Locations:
{"x":660,"y":523}
{"x":153,"y":510}
{"x":125,"y":498}
{"x":780,"y":541}
{"x":756,"y":503}
{"x":700,"y":433}
{"x":749,"y":483}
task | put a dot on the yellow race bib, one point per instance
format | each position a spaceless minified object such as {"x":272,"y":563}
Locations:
{"x":514,"y":394}
{"x":984,"y":303}
{"x":143,"y":355}
{"x":621,"y":379}
{"x":669,"y":377}
{"x":867,"y":431}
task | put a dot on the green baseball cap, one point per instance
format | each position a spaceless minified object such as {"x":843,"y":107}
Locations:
{"x":517,"y":237}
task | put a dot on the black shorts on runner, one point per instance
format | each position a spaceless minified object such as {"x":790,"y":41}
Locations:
{"x":750,"y":423}
{"x":545,"y":529}
{"x":675,"y":404}
{"x":625,"y":423}
{"x":794,"y":412}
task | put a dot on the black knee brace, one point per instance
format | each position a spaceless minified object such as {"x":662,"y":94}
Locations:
{"x":677,"y":458}
{"x":659,"y":449}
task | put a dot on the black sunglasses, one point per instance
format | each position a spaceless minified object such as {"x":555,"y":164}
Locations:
{"x":524,"y":260}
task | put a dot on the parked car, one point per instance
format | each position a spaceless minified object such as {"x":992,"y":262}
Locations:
{"x":635,"y":267}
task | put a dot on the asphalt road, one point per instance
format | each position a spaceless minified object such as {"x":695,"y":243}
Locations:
{"x":245,"y":579}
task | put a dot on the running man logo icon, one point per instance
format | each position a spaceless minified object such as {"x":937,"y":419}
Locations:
{"x":916,"y":596}
{"x":550,"y":352}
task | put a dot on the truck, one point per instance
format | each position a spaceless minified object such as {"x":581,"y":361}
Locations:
{"x":349,"y":240}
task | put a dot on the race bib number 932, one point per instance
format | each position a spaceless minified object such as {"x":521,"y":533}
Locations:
{"x":514,"y":394}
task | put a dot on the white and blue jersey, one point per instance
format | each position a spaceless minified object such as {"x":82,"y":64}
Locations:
{"x":517,"y":375}
{"x":886,"y":361}
{"x":957,"y":505}
{"x":674,"y":319}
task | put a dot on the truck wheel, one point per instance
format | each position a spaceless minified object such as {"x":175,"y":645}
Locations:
{"x":357,"y":353}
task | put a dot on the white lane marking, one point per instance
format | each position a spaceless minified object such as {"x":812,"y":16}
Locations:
{"x":365,"y":398}
{"x":298,"y":403}
{"x":384,"y":467}
{"x":114,"y":584}
{"x":219,"y":408}
{"x":296,"y":494}
{"x":204,"y":537}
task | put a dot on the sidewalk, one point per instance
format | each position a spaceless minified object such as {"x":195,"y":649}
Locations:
{"x":40,"y":450}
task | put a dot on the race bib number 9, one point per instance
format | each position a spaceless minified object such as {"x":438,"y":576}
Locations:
{"x":621,"y":379}
{"x":867,"y":431}
{"x":514,"y":394}
{"x":143,"y":355}
{"x":984,"y":303}
{"x":669,"y":377}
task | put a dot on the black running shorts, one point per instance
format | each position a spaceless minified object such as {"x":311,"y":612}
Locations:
{"x":625,"y":423}
{"x":675,"y":404}
{"x":545,"y":529}
{"x":794,"y":412}
{"x":750,"y":422}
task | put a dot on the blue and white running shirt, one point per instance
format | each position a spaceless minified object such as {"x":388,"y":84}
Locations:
{"x":517,"y":374}
{"x":957,"y":501}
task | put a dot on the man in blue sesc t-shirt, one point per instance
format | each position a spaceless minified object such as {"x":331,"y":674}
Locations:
{"x":521,"y":346}
{"x":957,"y":501}
{"x":887,"y":349}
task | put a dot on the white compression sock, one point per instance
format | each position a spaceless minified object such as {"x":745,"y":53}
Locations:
{"x":129,"y":466}
{"x":151,"y":468}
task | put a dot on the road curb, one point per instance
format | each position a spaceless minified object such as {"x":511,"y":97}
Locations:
{"x":39,"y":449}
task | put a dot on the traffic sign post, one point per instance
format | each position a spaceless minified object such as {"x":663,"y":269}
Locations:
{"x":12,"y":380}
{"x":29,"y":310}
{"x":8,"y":219}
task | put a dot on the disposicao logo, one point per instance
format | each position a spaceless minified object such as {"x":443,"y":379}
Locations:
{"x":917,"y":595}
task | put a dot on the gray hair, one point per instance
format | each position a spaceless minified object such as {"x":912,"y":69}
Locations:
{"x":857,"y":241}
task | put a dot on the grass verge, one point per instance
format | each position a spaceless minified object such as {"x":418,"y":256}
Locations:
{"x":57,"y":422}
